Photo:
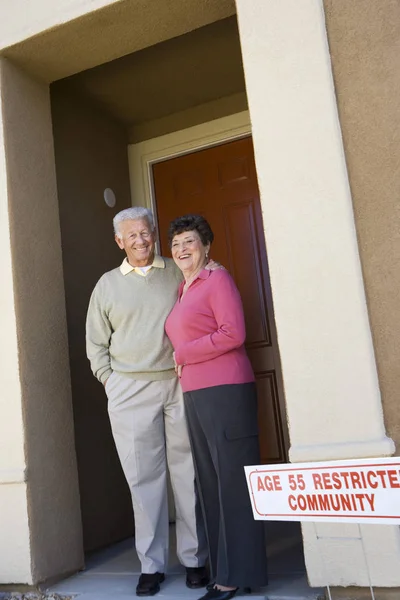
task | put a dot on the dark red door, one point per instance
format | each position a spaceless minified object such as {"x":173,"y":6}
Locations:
{"x":221,"y":184}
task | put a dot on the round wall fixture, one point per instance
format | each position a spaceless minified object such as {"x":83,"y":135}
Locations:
{"x":109,"y":197}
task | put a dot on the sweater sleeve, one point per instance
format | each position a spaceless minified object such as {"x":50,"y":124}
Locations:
{"x":98,"y":335}
{"x":231,"y":333}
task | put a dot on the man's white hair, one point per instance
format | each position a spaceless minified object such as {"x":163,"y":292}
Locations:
{"x":132,"y":214}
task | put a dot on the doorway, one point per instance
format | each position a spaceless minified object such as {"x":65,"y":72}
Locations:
{"x":193,"y":182}
{"x":220,"y":183}
{"x":90,"y":141}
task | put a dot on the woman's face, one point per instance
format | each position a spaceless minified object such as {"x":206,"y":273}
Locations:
{"x":188,"y":252}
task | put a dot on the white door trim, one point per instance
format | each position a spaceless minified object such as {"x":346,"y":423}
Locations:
{"x":143,"y":155}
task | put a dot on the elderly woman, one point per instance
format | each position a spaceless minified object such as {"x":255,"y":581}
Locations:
{"x":206,"y":328}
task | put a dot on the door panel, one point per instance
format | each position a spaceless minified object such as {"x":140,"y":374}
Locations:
{"x":220,"y":183}
{"x":268,"y":414}
{"x":244,"y":261}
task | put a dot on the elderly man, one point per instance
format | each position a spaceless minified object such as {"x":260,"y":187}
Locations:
{"x":132,"y":357}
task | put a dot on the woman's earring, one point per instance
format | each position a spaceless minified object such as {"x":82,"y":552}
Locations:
{"x":207,"y":255}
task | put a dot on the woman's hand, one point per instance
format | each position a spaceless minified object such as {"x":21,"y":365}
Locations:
{"x":178,"y":368}
{"x":212,"y":265}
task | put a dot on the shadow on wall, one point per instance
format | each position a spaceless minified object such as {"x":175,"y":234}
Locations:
{"x":91,"y":155}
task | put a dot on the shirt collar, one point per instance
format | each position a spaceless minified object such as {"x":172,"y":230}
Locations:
{"x":126,"y":268}
{"x":204,"y":274}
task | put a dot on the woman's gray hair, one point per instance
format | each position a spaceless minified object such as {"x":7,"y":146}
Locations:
{"x":132,"y":214}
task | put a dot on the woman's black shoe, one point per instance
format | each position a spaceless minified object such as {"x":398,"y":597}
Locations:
{"x":196,"y":577}
{"x":149,"y":584}
{"x":210,"y":586}
{"x":216,"y":594}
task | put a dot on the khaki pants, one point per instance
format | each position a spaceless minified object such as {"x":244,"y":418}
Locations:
{"x":149,"y":428}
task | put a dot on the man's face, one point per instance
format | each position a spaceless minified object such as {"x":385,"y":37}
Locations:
{"x":138,"y":241}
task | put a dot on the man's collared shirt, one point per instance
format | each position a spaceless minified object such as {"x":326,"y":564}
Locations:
{"x":157,"y":263}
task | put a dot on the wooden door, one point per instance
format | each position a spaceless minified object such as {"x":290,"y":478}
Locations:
{"x":220,"y":183}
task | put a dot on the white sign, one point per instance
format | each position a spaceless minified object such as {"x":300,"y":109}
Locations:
{"x":358,"y":491}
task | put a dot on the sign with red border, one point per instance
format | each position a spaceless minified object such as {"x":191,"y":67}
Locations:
{"x":357,"y":491}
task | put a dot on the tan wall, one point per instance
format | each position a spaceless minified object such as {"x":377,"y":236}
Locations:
{"x":331,"y":383}
{"x":20,"y":22}
{"x":56,"y":39}
{"x":203,"y":113}
{"x":52,"y":487}
{"x":91,"y":155}
{"x":14,"y":526}
{"x":365,"y":53}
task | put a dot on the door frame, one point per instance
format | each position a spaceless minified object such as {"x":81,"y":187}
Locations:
{"x":143,"y":155}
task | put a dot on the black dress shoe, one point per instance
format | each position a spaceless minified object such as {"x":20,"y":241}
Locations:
{"x":149,"y":584}
{"x":196,"y":577}
{"x":216,"y":594}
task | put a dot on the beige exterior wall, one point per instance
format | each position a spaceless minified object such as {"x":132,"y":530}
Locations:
{"x":14,"y":540}
{"x":331,"y":385}
{"x":325,"y":340}
{"x":15,"y":548}
{"x":86,"y":36}
{"x":40,"y":522}
{"x":203,"y":113}
{"x":23,"y":20}
{"x":365,"y":51}
{"x":91,"y":155}
{"x":37,"y":381}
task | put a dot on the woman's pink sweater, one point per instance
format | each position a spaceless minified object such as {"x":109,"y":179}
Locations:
{"x":207,"y":331}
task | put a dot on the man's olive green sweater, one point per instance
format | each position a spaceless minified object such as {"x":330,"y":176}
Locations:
{"x":125,"y":323}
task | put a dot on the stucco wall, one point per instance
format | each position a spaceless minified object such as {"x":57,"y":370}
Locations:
{"x":21,"y":19}
{"x":14,"y":539}
{"x":87,"y":33}
{"x":203,"y":113}
{"x":45,"y":393}
{"x":91,"y":155}
{"x":364,"y":41}
{"x":327,"y":355}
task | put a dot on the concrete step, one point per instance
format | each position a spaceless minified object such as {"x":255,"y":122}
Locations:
{"x":112,"y":573}
{"x":122,"y":587}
